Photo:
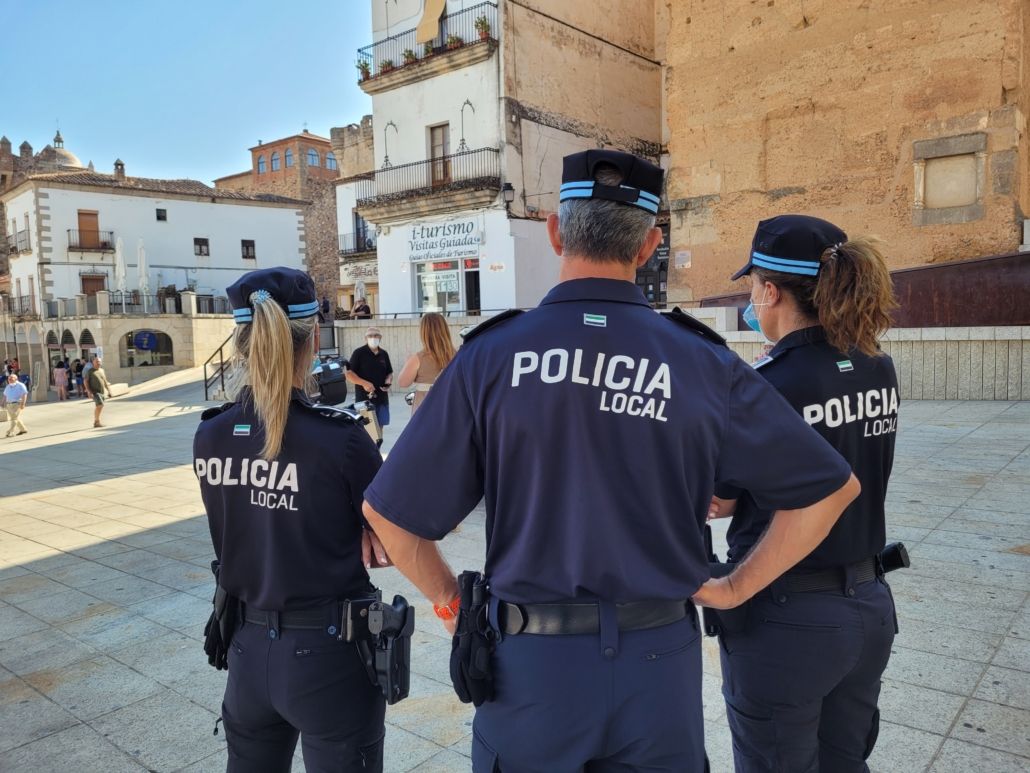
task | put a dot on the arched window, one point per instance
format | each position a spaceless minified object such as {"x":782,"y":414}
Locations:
{"x":313,"y":157}
{"x":261,"y":164}
{"x":67,"y":339}
{"x":51,"y":338}
{"x":330,"y":160}
{"x":289,"y":157}
{"x":144,"y":348}
{"x":275,"y":161}
{"x":86,"y":339}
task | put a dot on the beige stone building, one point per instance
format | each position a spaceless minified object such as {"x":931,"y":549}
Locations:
{"x":902,"y":118}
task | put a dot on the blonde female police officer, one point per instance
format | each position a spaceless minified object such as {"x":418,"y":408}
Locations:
{"x":595,"y":428}
{"x":802,"y":677}
{"x":282,"y":482}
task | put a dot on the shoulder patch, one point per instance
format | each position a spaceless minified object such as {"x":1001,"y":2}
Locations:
{"x":762,"y":361}
{"x":210,"y":413}
{"x":681,"y":317}
{"x":493,"y":321}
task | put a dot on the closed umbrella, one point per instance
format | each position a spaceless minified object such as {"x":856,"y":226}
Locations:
{"x":144,"y":279}
{"x":119,"y":269}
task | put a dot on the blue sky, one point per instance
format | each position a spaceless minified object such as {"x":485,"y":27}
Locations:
{"x":177,"y":89}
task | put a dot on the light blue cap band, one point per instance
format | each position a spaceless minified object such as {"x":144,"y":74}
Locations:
{"x":785,"y":265}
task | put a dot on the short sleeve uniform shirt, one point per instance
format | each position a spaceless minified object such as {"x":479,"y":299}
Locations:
{"x":595,"y":429}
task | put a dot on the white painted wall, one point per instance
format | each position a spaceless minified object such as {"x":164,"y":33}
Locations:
{"x":24,"y":265}
{"x":536,"y":265}
{"x":433,"y":101}
{"x":169,"y":244}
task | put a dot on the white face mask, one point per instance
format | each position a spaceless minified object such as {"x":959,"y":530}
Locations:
{"x":374,"y":342}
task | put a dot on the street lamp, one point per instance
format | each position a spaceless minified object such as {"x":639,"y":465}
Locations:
{"x":462,"y":147}
{"x":508,"y":191}
{"x":386,"y":148}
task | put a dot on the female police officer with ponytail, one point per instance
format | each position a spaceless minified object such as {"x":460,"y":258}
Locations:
{"x":801,"y":670}
{"x":283,"y":482}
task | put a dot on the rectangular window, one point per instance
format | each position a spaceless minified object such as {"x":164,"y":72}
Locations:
{"x":247,"y":246}
{"x":201,"y":248}
{"x":162,"y":215}
{"x":439,"y":148}
{"x":89,"y":230}
{"x":93,"y":283}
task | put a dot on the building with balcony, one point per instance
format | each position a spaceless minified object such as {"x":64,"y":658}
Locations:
{"x":474,"y":106}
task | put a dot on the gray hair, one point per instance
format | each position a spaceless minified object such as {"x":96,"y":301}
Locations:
{"x":602,"y":230}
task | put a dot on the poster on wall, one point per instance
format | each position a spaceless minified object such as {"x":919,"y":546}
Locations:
{"x":451,"y":240}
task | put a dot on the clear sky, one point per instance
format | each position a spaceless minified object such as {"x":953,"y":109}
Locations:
{"x":177,"y":88}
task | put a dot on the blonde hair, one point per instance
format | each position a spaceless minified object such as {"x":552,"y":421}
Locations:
{"x":852,"y":296}
{"x":436,"y":339}
{"x":270,"y":353}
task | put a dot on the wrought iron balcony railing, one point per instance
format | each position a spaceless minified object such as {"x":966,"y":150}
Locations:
{"x":19,"y":242}
{"x":470,"y":170}
{"x":22,"y":305}
{"x":100,"y":241}
{"x":353,"y":244}
{"x":476,"y":24}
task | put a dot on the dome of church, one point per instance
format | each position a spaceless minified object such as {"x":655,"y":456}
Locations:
{"x":57,"y":155}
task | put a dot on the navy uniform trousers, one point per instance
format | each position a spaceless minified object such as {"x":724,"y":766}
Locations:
{"x":300,"y":682}
{"x":802,"y":679}
{"x":618,"y":701}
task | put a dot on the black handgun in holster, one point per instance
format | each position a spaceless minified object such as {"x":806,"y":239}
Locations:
{"x":717,"y":621}
{"x":221,"y":625}
{"x":893,"y":556}
{"x":474,"y":641}
{"x":388,"y":655}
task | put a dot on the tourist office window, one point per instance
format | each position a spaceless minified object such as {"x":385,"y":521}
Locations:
{"x":447,"y":285}
{"x":140,"y":348}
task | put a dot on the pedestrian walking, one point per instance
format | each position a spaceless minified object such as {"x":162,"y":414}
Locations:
{"x":16,"y":395}
{"x":78,"y":367}
{"x":595,"y":428}
{"x":99,"y":389}
{"x":282,"y":482}
{"x":801,"y":674}
{"x":61,"y":380}
{"x":424,"y":367}
{"x":371,"y":373}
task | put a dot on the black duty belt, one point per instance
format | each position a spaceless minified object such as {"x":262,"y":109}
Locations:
{"x":347,"y":620}
{"x":584,"y":618}
{"x":830,"y":579}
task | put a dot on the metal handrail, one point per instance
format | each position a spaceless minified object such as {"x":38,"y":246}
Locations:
{"x":456,"y":31}
{"x":358,"y":242}
{"x":88,"y":239}
{"x":480,"y":168}
{"x":218,"y":373}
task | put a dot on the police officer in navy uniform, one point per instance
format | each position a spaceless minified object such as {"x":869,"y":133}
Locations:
{"x":595,"y":428}
{"x":802,"y":675}
{"x":282,"y":482}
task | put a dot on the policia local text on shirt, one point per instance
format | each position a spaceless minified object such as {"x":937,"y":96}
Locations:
{"x":595,"y":429}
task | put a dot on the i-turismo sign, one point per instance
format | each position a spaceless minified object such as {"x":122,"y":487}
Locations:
{"x":445,"y":241}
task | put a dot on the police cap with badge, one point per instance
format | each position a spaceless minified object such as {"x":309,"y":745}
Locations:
{"x":791,"y":244}
{"x":293,"y":290}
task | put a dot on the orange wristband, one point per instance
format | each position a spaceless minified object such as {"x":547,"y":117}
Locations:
{"x":450,"y":611}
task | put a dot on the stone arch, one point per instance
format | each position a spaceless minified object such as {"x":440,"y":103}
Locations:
{"x":86,"y":339}
{"x":51,"y":339}
{"x":67,"y":338}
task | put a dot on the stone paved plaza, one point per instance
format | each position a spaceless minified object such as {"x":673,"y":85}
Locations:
{"x":105,"y":588}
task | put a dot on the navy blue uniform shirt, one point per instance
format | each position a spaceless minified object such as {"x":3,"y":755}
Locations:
{"x":852,"y":401}
{"x":595,"y":429}
{"x":287,"y":532}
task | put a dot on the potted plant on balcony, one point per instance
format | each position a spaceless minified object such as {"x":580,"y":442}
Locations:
{"x":386,"y":66}
{"x":365,"y":69}
{"x":453,"y":42}
{"x":409,"y":56}
{"x":427,"y":50}
{"x":482,"y":25}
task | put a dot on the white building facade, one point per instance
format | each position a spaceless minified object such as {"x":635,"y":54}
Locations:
{"x":194,"y":237}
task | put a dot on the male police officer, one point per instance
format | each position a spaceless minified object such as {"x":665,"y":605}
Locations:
{"x":595,"y":428}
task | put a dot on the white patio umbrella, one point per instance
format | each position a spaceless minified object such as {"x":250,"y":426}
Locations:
{"x":144,"y":279}
{"x":119,"y":269}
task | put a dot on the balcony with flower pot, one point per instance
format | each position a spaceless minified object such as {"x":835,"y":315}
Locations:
{"x":464,"y":38}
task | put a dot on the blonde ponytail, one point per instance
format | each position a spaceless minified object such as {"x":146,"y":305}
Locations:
{"x":268,"y":349}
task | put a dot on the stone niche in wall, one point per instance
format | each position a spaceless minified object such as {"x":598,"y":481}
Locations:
{"x":949,"y":176}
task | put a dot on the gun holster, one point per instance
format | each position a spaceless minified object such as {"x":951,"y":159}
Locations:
{"x":221,"y":625}
{"x":719,"y":621}
{"x":474,"y":641}
{"x":387,"y":650}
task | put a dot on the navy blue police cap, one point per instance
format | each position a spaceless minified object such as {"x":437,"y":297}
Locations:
{"x":791,"y":244}
{"x":641,"y":180}
{"x":293,"y":290}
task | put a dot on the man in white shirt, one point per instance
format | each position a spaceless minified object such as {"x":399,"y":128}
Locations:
{"x":14,"y":399}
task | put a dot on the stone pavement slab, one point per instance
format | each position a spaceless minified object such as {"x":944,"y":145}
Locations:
{"x":105,"y":587}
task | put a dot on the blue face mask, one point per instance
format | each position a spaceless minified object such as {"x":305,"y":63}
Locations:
{"x":316,"y":364}
{"x":751,"y":319}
